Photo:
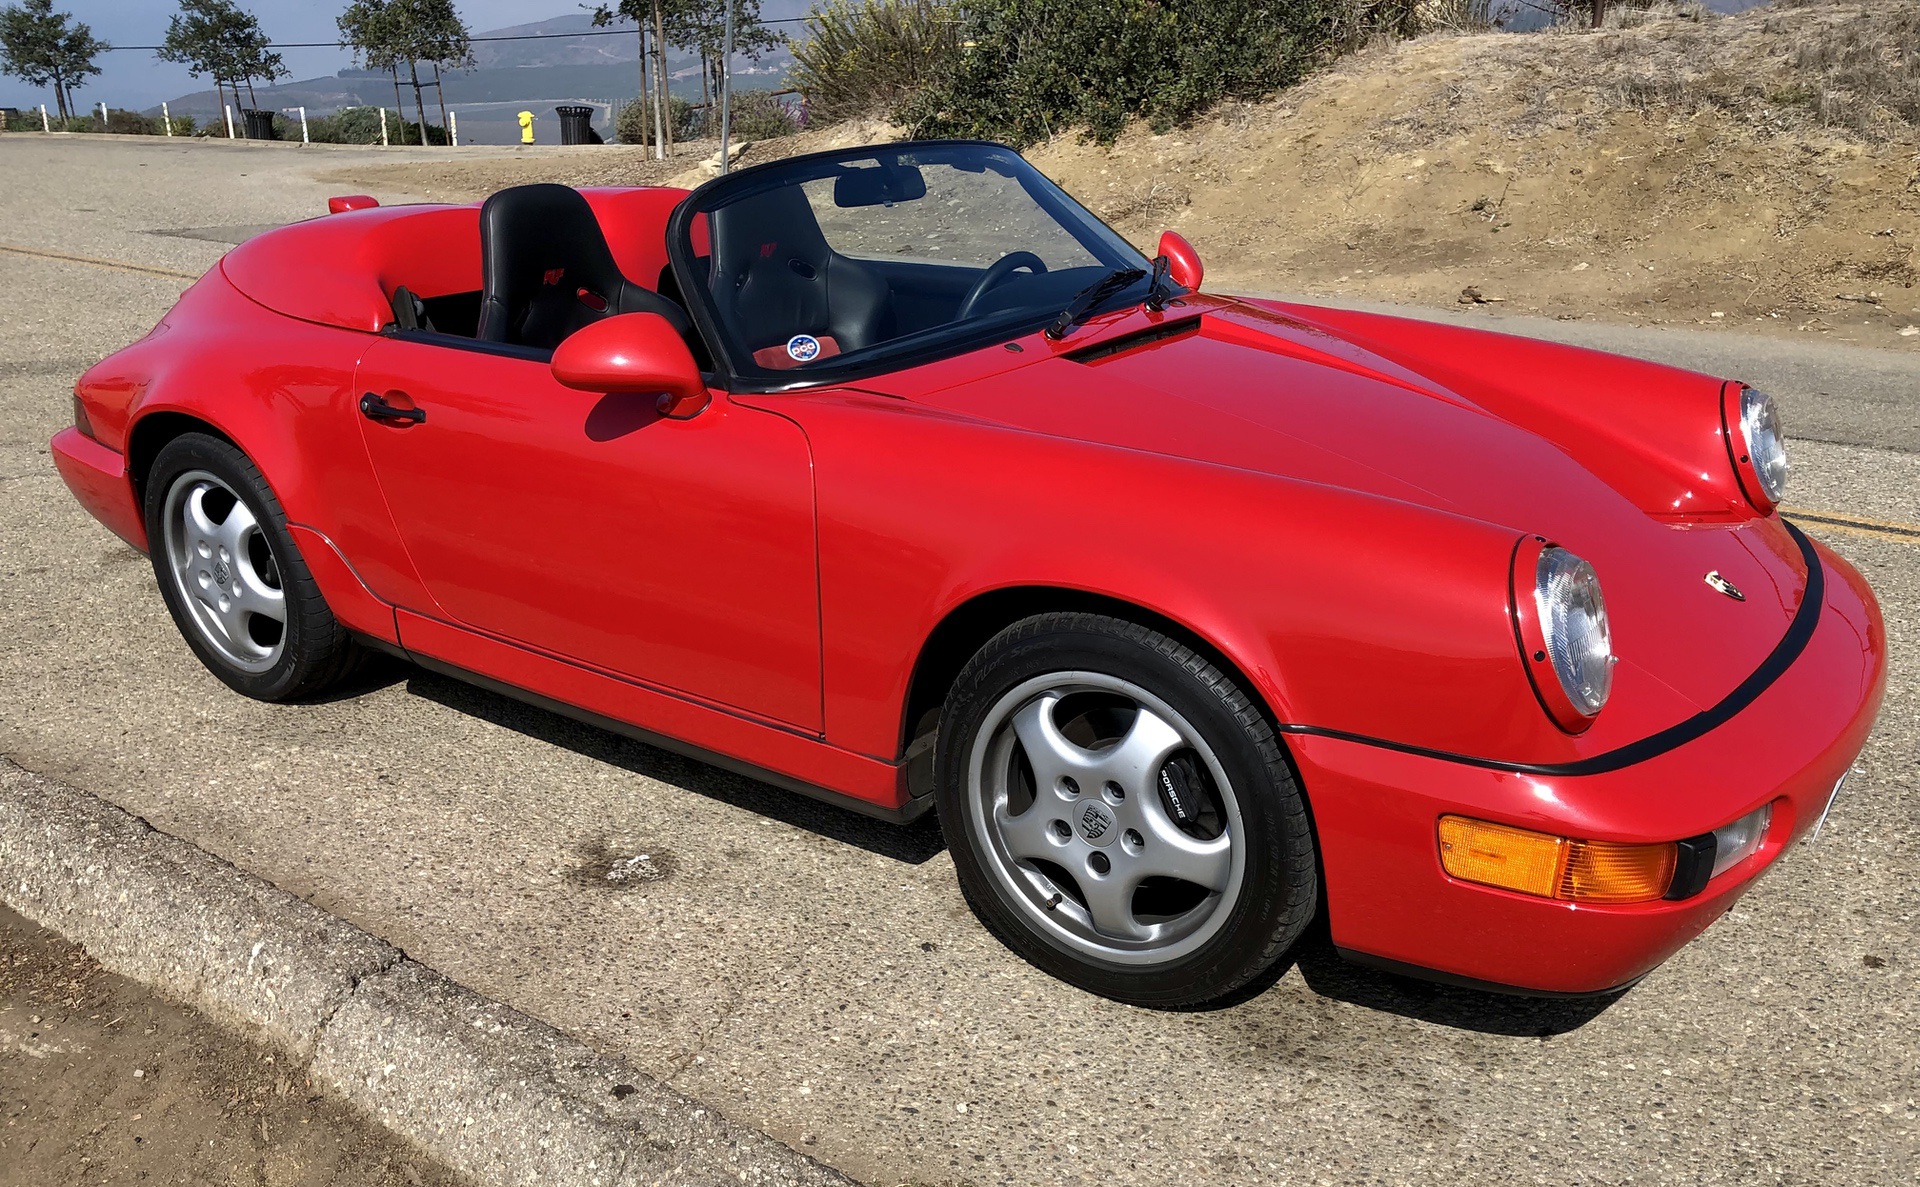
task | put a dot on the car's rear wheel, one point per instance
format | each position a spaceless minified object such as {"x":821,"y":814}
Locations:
{"x":236,"y":585}
{"x":1120,"y":812}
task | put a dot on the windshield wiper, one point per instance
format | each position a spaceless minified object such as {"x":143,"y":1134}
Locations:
{"x":1086,"y":299}
{"x":1160,"y":289}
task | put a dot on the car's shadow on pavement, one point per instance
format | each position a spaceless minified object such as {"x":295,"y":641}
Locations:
{"x":1328,"y":974}
{"x":1320,"y":967}
{"x":911,"y":843}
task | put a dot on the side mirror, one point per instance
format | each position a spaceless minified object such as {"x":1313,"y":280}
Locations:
{"x":1183,"y":263}
{"x":634,"y":354}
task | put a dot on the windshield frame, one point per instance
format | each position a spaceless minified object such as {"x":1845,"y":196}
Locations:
{"x":740,"y":374}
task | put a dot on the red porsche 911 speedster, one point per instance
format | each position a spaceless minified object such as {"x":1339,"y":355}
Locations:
{"x":895,"y":477}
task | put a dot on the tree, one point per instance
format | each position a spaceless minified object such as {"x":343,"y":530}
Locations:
{"x":38,"y":47}
{"x":365,"y":26}
{"x":385,"y":33}
{"x":652,"y":18}
{"x":701,"y":26}
{"x":219,"y":39}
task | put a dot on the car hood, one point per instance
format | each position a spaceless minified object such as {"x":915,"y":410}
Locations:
{"x":1239,"y":386}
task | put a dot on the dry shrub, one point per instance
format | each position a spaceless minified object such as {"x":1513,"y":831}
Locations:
{"x":1455,"y":16}
{"x":867,"y":58}
{"x":1865,"y":70}
{"x":1150,"y":201}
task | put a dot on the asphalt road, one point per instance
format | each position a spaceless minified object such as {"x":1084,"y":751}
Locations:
{"x":816,"y":974}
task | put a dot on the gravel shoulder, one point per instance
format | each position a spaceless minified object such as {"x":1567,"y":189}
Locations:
{"x":103,"y":1081}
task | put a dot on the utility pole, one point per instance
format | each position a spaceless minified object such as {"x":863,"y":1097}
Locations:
{"x":726,"y":93}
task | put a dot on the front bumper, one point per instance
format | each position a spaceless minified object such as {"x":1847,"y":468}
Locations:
{"x":1376,"y":812}
{"x":97,"y":476}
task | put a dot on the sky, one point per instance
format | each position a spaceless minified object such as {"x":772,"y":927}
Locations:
{"x":137,"y":79}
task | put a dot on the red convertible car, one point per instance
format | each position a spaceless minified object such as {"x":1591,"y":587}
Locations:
{"x":893,"y":476}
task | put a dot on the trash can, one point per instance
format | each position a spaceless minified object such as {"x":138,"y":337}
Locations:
{"x":576,"y":124}
{"x":259,"y":124}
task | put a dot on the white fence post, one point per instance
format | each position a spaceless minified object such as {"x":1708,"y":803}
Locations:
{"x":166,"y":118}
{"x":453,"y":129}
{"x":383,"y":127}
{"x":103,"y":117}
{"x":45,"y":126}
{"x":303,"y":126}
{"x":229,"y":108}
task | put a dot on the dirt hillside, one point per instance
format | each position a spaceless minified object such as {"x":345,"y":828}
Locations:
{"x":1758,"y":171}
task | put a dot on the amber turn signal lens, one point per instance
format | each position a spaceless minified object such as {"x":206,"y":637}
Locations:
{"x":1542,"y":864}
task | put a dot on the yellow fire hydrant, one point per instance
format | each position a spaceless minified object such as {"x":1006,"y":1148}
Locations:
{"x":526,"y":127}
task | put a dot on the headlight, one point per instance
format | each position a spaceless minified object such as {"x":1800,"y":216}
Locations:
{"x":1760,"y":455}
{"x":1562,"y":621}
{"x":1573,"y":617}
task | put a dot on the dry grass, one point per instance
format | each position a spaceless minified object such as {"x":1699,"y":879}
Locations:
{"x":1672,"y":167}
{"x":1864,"y":74}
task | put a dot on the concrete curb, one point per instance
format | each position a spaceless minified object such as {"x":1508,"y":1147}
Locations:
{"x":491,"y":1093}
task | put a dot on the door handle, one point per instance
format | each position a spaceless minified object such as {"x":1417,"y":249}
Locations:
{"x":374,"y":408}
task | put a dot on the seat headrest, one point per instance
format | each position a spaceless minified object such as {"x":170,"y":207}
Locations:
{"x":535,"y":235}
{"x":777,"y":225}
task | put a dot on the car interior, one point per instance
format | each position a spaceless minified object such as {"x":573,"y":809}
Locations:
{"x":546,"y":271}
{"x":844,"y":256}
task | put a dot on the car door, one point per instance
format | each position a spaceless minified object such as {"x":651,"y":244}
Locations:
{"x":678,"y":553}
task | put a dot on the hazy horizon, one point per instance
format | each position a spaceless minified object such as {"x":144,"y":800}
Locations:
{"x":138,"y":79}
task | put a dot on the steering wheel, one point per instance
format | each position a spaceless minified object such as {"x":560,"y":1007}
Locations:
{"x":997,"y":272}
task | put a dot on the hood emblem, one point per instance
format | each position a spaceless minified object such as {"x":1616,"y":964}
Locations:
{"x":1716,"y":581}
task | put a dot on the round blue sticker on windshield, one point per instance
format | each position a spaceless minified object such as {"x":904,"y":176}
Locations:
{"x":803,"y":348}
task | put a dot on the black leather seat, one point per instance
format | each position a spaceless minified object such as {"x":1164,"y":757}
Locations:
{"x":775,"y":276}
{"x":546,"y":270}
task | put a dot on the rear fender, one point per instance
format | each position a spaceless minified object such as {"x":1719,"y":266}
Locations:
{"x":282,"y":391}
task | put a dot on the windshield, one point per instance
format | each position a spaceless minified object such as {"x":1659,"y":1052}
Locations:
{"x":837,"y":262}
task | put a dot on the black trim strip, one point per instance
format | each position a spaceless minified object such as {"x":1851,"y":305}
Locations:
{"x":905,"y":814}
{"x":509,"y":350}
{"x":1126,"y":342}
{"x":1401,"y":968}
{"x":1799,"y":632}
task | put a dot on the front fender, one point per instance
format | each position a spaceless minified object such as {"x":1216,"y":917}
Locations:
{"x":1347,"y":611}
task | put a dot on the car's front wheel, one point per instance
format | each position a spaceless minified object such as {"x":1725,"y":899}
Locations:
{"x":237,"y":587}
{"x":1120,"y":812}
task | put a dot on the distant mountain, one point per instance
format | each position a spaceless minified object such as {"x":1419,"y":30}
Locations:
{"x":598,"y":46}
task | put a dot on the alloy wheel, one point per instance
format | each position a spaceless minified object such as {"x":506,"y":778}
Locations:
{"x":224,"y":569}
{"x":1106,"y":818}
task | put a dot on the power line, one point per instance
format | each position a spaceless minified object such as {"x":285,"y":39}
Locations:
{"x":791,"y":20}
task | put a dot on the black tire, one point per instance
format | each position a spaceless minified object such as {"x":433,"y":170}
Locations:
{"x":1278,"y":896}
{"x":316,"y":652}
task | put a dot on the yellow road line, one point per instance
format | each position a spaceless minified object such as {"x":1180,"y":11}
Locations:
{"x":114,"y":264}
{"x":1906,"y":533}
